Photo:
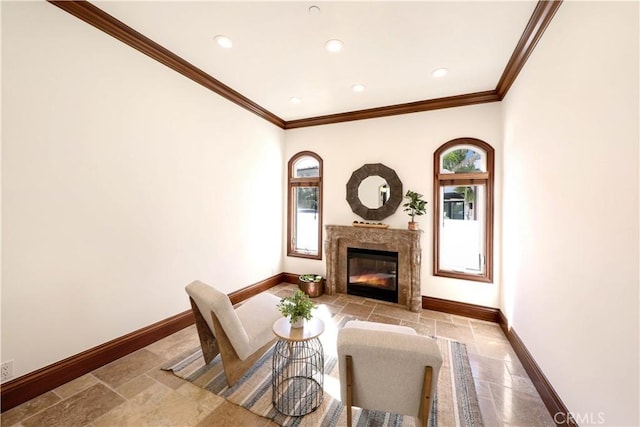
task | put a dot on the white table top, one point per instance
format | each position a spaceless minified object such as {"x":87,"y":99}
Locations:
{"x":312,"y":329}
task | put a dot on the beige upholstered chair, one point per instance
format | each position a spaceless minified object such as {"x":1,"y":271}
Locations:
{"x":241,"y":335}
{"x":387,"y":368}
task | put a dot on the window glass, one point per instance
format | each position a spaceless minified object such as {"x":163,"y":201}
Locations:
{"x":463,"y":210}
{"x":304,"y":217}
{"x":306,"y":167}
{"x":463,"y":160}
{"x":306,"y":220}
{"x":462,"y":229}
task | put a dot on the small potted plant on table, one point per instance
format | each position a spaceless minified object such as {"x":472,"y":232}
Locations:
{"x":414,"y":207}
{"x":297,"y":308}
{"x":311,"y":284}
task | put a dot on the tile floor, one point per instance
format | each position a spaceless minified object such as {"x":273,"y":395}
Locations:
{"x":133,"y":391}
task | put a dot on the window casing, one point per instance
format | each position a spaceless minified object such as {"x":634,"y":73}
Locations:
{"x":304,"y":206}
{"x":463,"y":210}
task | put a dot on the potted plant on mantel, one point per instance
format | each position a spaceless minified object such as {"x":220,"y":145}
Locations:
{"x":297,"y":308}
{"x":414,"y":207}
{"x":311,"y":284}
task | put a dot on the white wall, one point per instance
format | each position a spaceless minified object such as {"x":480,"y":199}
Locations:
{"x":570,"y":219}
{"x":122,"y":182}
{"x":406,"y":144}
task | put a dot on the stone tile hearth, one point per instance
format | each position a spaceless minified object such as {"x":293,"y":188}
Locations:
{"x":405,"y":242}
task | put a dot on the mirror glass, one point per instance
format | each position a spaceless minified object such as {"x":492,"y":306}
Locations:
{"x":374,"y":192}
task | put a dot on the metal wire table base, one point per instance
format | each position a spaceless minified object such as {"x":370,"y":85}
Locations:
{"x":297,"y":377}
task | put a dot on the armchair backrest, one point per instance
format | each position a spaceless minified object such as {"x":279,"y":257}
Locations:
{"x":208,"y":300}
{"x":388,"y":368}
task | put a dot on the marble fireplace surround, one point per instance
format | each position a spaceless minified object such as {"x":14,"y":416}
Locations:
{"x":405,"y":242}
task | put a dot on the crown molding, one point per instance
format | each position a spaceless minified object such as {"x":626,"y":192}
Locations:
{"x":103,"y":21}
{"x":393,"y":110}
{"x":539,"y":21}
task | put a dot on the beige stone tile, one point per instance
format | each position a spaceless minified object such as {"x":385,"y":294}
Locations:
{"x":228,"y":414}
{"x":454,"y":332}
{"x":437,"y":315}
{"x":396,"y":311}
{"x":496,"y":349}
{"x":136,"y":386}
{"x":167,"y":378}
{"x":523,"y":385}
{"x":487,"y":330}
{"x":516,"y":368}
{"x":489,"y":414}
{"x":334,"y":309}
{"x":80,"y":409}
{"x":28,"y":409}
{"x":490,"y":370}
{"x":357,"y":310}
{"x":421,"y":328}
{"x":339,"y":302}
{"x":206,"y":398}
{"x":384,"y":319}
{"x":483,"y":388}
{"x":285,"y":292}
{"x":176,"y":344}
{"x":517,"y":408}
{"x":349,"y":299}
{"x":461,"y":321}
{"x":127,"y":368}
{"x":75,"y":386}
{"x":157,"y":405}
{"x":325,"y":299}
{"x":471,"y":348}
{"x":429,"y":323}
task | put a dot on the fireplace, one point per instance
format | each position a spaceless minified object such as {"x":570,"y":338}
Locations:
{"x":406,"y":243}
{"x":372,"y":273}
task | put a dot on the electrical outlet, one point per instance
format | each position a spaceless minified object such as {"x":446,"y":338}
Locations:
{"x":6,"y":371}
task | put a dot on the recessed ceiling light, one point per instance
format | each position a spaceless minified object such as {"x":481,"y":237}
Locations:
{"x":295,"y":100}
{"x":440,"y":72}
{"x":334,"y":45}
{"x":357,"y":88}
{"x":223,"y":41}
{"x":314,"y":10}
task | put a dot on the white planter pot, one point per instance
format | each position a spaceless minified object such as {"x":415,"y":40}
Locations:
{"x":298,"y":323}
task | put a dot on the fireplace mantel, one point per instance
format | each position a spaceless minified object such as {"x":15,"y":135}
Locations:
{"x":405,"y":242}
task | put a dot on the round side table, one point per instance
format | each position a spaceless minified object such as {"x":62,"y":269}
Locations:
{"x":298,"y":367}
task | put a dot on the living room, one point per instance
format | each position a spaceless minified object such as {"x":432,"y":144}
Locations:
{"x":123,"y":181}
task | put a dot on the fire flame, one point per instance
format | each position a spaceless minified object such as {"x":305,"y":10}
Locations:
{"x":374,"y":279}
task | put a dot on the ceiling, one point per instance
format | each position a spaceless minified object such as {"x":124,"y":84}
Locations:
{"x":389,"y":47}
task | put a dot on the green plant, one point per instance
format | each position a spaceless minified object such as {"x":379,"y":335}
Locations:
{"x":310,"y":277}
{"x":415,"y":206}
{"x":296,"y":306}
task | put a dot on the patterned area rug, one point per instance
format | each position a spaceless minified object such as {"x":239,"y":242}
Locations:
{"x":455,"y":402}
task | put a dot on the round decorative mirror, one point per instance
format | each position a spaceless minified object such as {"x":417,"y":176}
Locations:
{"x":374,"y":191}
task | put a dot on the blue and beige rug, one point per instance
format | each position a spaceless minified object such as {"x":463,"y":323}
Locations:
{"x":455,"y":402}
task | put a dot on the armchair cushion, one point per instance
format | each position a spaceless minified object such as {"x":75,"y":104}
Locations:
{"x":248,"y":327}
{"x":388,"y":365}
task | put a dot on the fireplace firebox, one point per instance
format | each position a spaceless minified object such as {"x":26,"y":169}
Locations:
{"x":372,"y":274}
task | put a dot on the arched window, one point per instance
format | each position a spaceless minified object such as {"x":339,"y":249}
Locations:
{"x":304,"y":218}
{"x":463,"y":210}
